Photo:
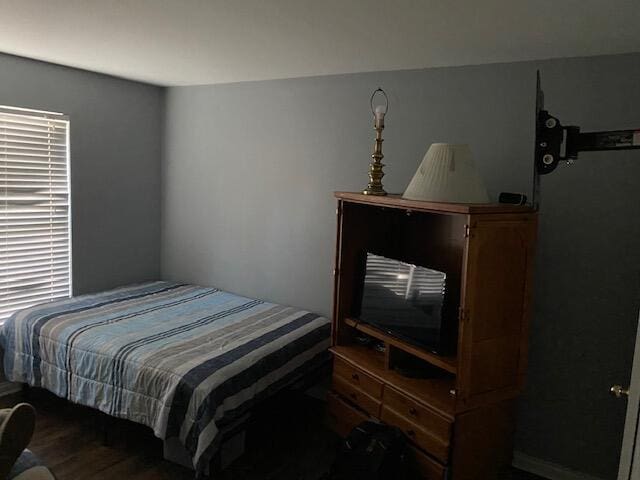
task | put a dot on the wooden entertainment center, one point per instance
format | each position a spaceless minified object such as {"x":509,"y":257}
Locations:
{"x":458,"y":415}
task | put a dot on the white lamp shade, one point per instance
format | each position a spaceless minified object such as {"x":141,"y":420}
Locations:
{"x":447,"y":174}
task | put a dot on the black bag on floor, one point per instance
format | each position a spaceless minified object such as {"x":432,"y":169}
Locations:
{"x":372,"y":451}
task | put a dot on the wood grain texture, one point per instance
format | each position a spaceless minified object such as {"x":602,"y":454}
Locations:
{"x":396,"y":201}
{"x":71,"y":440}
{"x":486,"y":252}
{"x":358,"y":378}
{"x":417,"y":413}
{"x":448,"y":363}
{"x":365,"y":401}
{"x":77,"y":442}
{"x":429,"y":469}
{"x":432,"y":392}
{"x":495,"y":299}
{"x":423,"y":438}
{"x":342,"y":417}
{"x":483,"y":440}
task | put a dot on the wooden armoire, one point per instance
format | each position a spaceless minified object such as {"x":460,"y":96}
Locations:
{"x":459,"y":414}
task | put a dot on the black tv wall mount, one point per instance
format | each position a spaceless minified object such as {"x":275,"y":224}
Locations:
{"x":556,"y":142}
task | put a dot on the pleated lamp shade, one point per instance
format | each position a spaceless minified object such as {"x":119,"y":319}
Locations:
{"x":447,"y":174}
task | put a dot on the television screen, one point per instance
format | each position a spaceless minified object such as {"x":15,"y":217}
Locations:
{"x":404,"y":300}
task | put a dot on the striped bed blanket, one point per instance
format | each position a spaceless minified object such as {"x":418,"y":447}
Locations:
{"x":182,"y":359}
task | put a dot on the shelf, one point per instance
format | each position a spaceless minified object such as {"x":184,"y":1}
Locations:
{"x":396,"y":201}
{"x":449,"y":364}
{"x":434,"y":393}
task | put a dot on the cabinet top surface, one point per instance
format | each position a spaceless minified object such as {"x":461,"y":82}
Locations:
{"x":396,"y":201}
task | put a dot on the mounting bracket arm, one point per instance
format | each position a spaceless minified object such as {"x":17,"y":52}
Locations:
{"x":555,"y":142}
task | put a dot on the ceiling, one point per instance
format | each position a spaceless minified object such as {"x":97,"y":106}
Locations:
{"x":190,"y":42}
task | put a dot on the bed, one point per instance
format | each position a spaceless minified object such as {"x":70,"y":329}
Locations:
{"x":185,"y":360}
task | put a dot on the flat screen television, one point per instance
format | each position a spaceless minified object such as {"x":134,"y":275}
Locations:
{"x":406,"y":301}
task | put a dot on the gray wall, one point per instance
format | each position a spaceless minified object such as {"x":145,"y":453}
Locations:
{"x":115,"y":165}
{"x":250,"y":168}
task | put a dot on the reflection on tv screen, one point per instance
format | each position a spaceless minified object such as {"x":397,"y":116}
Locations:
{"x":405,"y":300}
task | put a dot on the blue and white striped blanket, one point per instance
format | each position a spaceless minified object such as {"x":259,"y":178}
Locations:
{"x":182,"y":359}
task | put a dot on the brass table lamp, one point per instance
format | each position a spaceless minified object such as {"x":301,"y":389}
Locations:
{"x":374,"y":186}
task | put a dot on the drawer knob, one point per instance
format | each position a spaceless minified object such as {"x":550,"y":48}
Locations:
{"x":411,"y":433}
{"x":355,"y":376}
{"x":413,"y":411}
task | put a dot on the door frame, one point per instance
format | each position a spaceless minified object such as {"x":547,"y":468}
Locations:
{"x":630,"y":453}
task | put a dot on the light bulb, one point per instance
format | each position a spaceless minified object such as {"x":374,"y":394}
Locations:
{"x":379,"y":112}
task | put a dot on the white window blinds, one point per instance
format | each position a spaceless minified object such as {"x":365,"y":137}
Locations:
{"x":35,"y":224}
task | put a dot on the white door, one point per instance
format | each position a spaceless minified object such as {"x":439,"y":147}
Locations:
{"x":630,"y":454}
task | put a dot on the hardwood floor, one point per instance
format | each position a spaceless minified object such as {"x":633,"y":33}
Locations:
{"x":285,"y":441}
{"x":71,"y":441}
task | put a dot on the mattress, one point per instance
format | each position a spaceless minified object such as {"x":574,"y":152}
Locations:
{"x":182,"y":359}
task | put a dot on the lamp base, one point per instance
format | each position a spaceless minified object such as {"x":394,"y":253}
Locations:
{"x":374,"y":191}
{"x":374,"y":187}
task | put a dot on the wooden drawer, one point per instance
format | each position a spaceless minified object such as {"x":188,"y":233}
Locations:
{"x":427,"y":468}
{"x":418,"y":414}
{"x":342,"y":417}
{"x":357,"y":396}
{"x":425,"y":440}
{"x":357,"y":377}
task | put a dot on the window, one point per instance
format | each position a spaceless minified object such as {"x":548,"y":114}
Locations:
{"x":35,"y":222}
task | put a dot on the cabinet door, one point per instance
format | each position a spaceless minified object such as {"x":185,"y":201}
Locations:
{"x":495,"y":304}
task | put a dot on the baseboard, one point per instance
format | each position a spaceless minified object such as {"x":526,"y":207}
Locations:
{"x":549,"y":470}
{"x":7,"y":388}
